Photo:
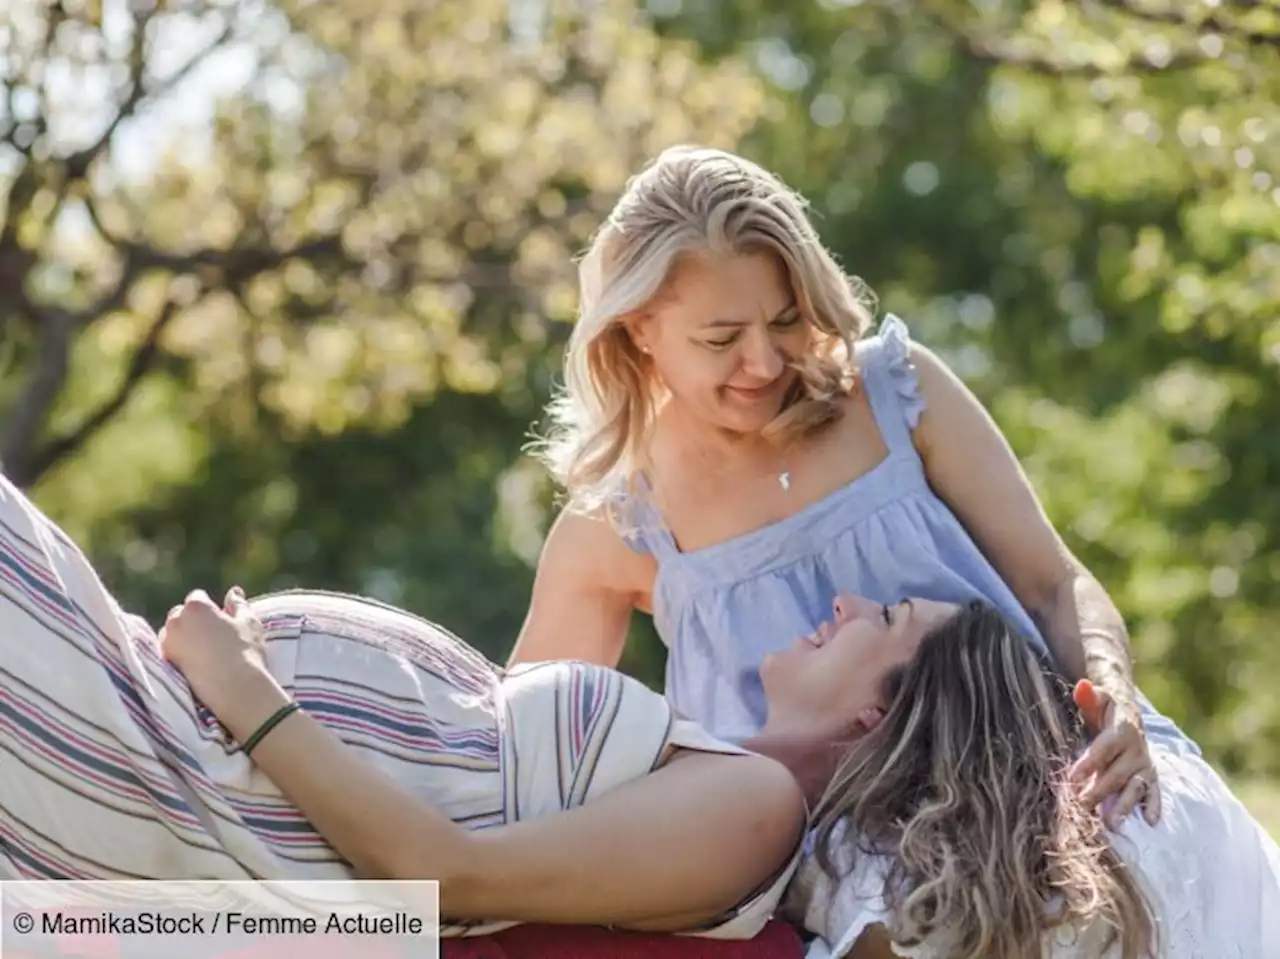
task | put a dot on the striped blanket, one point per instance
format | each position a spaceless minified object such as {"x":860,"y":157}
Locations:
{"x":111,"y":769}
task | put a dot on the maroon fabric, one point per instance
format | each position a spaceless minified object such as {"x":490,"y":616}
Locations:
{"x":777,"y":940}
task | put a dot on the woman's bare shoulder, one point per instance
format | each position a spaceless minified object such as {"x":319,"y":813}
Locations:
{"x":589,"y":547}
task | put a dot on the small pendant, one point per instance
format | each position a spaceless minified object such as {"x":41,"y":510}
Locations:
{"x":784,"y":480}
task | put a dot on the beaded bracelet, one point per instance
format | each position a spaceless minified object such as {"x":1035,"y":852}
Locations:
{"x":271,"y":723}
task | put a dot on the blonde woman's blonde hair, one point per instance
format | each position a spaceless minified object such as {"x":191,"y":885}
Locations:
{"x":963,"y":786}
{"x":688,"y":200}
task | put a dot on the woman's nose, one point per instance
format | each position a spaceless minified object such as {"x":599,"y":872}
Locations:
{"x":843,"y":608}
{"x":847,"y":606}
{"x":763,"y":358}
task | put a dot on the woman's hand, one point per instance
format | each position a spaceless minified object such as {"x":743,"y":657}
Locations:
{"x":221,"y":654}
{"x":1117,"y":760}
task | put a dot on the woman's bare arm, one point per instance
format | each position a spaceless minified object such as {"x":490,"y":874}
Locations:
{"x":974,"y":470}
{"x":663,"y":853}
{"x":587,"y":584}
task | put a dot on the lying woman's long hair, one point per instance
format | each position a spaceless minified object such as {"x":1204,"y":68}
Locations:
{"x":963,"y":785}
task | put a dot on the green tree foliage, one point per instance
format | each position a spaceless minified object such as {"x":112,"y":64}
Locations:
{"x":309,"y":349}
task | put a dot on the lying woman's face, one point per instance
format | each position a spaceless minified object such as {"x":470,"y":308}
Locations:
{"x":827,"y":683}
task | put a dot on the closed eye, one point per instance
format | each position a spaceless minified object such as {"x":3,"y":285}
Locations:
{"x":721,"y":344}
{"x":889,"y":612}
{"x":785,"y":320}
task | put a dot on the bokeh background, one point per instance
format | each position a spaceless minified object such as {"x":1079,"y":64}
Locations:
{"x":284,"y":286}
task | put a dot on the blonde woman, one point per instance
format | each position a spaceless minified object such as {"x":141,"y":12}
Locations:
{"x":735,"y":454}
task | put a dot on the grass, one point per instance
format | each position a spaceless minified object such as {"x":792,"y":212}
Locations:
{"x":1262,"y":798}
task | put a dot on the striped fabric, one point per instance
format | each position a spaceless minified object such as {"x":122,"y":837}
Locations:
{"x":110,"y":770}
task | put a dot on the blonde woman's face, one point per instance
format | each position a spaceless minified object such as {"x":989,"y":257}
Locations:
{"x":721,"y":335}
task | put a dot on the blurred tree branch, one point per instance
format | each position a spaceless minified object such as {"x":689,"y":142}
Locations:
{"x":1191,"y":24}
{"x":138,"y":91}
{"x":141,"y":363}
{"x":1206,"y":19}
{"x":406,"y":225}
{"x":53,"y":327}
{"x":999,"y":52}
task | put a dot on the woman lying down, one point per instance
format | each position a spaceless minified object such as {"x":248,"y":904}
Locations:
{"x":351,"y":738}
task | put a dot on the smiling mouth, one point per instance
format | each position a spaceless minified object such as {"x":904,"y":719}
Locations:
{"x":819,"y":637}
{"x":757,"y":392}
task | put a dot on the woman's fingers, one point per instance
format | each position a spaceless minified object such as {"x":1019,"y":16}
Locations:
{"x":234,"y":602}
{"x":1116,"y":764}
{"x":1129,"y":797}
{"x":1099,"y":757}
{"x":1091,"y":703}
{"x":197,"y":600}
{"x":196,"y":612}
{"x":1113,"y":777}
{"x":1129,"y":780}
{"x":1152,"y":801}
{"x":238,"y":608}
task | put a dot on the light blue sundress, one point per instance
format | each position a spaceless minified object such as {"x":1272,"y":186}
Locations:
{"x":886,"y":535}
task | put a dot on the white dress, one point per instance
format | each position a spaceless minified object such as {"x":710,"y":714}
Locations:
{"x":1209,"y":870}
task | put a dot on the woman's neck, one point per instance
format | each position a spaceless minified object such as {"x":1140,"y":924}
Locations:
{"x":690,"y":437}
{"x":811,"y":760}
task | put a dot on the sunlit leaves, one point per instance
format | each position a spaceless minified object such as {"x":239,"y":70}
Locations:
{"x":468,"y":139}
{"x":382,"y":170}
{"x":1193,"y":120}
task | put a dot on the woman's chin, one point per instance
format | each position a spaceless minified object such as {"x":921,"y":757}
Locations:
{"x":776,"y":671}
{"x":734,"y":415}
{"x":769,"y":669}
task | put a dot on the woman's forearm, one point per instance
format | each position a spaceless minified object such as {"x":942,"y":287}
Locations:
{"x":363,"y":815}
{"x":664,"y":852}
{"x":1087,"y":636}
